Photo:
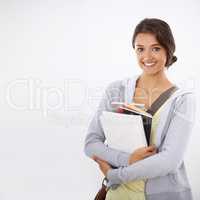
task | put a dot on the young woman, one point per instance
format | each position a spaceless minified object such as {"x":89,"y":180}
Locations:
{"x":156,"y":172}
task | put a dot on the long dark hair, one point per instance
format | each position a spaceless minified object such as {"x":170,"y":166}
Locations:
{"x":163,"y":34}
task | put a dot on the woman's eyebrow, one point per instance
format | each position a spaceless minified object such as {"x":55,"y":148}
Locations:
{"x":156,"y":44}
{"x":140,"y":45}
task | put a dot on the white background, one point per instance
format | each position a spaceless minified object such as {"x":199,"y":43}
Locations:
{"x":56,"y":57}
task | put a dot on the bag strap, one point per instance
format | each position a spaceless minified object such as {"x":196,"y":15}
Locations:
{"x":161,"y":100}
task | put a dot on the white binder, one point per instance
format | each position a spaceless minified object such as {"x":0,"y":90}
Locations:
{"x":122,"y":131}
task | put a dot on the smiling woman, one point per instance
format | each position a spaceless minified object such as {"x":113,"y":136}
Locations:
{"x":150,"y":54}
{"x":154,"y":46}
{"x":161,"y":34}
{"x":156,"y":172}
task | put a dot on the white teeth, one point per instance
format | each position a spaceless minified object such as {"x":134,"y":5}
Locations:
{"x":149,"y":64}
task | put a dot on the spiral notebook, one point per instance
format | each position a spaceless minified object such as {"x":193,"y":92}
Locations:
{"x":122,"y":131}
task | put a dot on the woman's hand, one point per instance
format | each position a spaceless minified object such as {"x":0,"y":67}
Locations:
{"x":141,"y":153}
{"x":103,"y":165}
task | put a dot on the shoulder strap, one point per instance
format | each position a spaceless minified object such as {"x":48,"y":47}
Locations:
{"x":161,"y":100}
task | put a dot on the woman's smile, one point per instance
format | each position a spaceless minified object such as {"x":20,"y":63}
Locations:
{"x":149,"y":64}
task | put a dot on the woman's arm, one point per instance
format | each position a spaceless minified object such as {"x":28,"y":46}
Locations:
{"x":94,"y":142}
{"x":171,"y":155}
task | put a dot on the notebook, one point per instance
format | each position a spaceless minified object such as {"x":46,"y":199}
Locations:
{"x":122,"y":131}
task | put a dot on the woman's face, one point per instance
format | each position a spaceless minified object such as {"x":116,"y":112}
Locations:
{"x":151,"y":55}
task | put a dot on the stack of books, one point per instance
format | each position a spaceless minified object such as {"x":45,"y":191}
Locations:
{"x":133,"y":108}
{"x":124,"y":129}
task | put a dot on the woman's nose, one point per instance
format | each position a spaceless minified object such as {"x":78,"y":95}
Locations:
{"x":147,"y":55}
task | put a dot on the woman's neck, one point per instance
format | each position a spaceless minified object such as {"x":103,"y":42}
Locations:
{"x":153,"y":82}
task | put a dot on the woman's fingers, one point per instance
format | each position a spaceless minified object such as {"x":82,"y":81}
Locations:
{"x":94,"y":157}
{"x":151,"y":148}
{"x":150,"y":153}
{"x":142,"y":153}
{"x":97,"y":159}
{"x":146,"y":149}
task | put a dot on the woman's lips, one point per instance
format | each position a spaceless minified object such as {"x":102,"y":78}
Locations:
{"x":149,"y":64}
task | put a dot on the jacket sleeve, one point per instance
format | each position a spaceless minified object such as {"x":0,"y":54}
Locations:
{"x":94,"y":141}
{"x":172,"y":152}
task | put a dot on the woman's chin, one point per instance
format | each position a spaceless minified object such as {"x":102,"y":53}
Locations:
{"x":150,"y":70}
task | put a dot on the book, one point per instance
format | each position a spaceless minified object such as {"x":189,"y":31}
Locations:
{"x":133,"y":107}
{"x":139,"y":105}
{"x":123,"y":131}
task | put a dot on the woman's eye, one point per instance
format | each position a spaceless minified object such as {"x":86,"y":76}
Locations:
{"x":140,"y":50}
{"x":156,"y":49}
